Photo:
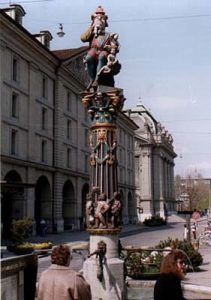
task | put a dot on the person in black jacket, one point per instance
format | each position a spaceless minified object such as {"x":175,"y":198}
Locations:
{"x":172,"y":271}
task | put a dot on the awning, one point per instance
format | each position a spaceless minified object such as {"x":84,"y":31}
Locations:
{"x":16,"y":184}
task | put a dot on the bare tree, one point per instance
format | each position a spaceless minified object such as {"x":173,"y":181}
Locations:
{"x":193,"y":189}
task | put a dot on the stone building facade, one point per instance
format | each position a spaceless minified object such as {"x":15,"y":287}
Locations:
{"x":126,"y":167}
{"x":45,"y":131}
{"x":154,"y":166}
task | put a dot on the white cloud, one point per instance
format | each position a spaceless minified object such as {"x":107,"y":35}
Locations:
{"x":203,"y":168}
{"x":169,"y":103}
{"x":181,"y":150}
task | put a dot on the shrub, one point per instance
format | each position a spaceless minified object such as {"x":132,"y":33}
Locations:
{"x":141,"y":265}
{"x":21,"y":230}
{"x":193,"y":257}
{"x":146,"y":263}
{"x":154,"y":221}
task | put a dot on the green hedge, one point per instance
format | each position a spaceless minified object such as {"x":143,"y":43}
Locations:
{"x":154,"y":221}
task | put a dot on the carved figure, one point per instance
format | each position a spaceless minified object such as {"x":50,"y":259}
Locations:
{"x":100,"y":254}
{"x":115,"y":209}
{"x":89,"y":210}
{"x":101,"y":59}
{"x":100,"y":211}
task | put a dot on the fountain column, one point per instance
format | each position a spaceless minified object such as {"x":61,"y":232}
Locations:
{"x":103,"y":206}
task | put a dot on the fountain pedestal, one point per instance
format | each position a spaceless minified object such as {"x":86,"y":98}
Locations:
{"x":111,"y":285}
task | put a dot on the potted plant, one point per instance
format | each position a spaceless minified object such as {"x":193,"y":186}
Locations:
{"x":21,"y":230}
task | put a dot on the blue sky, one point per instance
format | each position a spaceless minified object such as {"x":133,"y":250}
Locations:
{"x":166,"y":61}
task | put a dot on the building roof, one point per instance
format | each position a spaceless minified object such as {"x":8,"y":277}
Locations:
{"x":133,"y":124}
{"x":65,"y":54}
{"x":14,"y":6}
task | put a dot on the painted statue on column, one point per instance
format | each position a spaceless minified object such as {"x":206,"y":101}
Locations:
{"x":101,"y":60}
{"x":103,"y":102}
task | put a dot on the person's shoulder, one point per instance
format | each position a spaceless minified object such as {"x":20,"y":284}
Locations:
{"x":45,"y":272}
{"x":168,"y":277}
{"x":79,"y":275}
{"x":80,"y":278}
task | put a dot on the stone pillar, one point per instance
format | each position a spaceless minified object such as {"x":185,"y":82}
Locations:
{"x":146,"y":183}
{"x":112,"y":284}
{"x":57,"y":219}
{"x":162,"y":185}
{"x":173,"y":202}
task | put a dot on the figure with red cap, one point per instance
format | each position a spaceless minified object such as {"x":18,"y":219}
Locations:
{"x":101,"y":61}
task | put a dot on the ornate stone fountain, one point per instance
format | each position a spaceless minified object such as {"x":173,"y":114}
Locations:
{"x":103,"y":269}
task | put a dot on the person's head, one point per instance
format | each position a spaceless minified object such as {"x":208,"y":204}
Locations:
{"x":88,"y":197}
{"x":102,"y":197}
{"x":185,"y":225}
{"x":99,"y":21}
{"x":174,"y":263}
{"x":117,"y":195}
{"x":61,"y":255}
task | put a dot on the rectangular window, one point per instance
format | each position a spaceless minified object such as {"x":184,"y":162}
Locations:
{"x":74,"y":102}
{"x":69,"y":104}
{"x":121,"y":175}
{"x":129,"y":159}
{"x":43,"y":120}
{"x":86,"y":132}
{"x":86,"y":159}
{"x":120,"y":155}
{"x":44,"y":87}
{"x":68,"y":129}
{"x":13,"y":142}
{"x":43,"y":151}
{"x":68,"y":158}
{"x":14,"y":108}
{"x":85,"y":114}
{"x":15,"y":69}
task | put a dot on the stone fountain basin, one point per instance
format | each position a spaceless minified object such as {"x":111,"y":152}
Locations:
{"x":143,"y":289}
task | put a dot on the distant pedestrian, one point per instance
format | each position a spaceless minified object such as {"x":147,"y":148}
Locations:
{"x":43,"y":227}
{"x":172,"y":271}
{"x":185,"y":233}
{"x":193,"y":229}
{"x":59,"y":282}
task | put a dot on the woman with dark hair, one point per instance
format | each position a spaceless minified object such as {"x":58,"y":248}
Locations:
{"x":59,"y":282}
{"x":172,"y":271}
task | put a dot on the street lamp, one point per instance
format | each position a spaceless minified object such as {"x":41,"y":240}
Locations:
{"x":61,"y":32}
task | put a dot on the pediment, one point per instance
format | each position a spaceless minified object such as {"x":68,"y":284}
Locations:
{"x":77,"y":68}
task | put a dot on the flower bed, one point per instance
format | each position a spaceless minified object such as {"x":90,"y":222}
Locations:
{"x":26,"y":248}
